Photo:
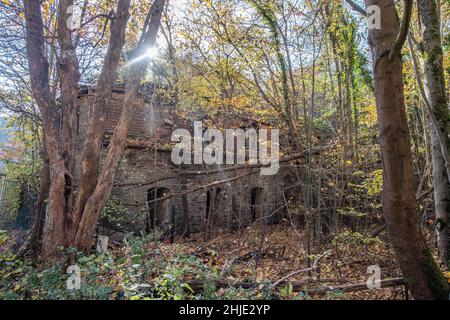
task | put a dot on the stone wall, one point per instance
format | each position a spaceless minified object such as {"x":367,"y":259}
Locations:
{"x":147,"y":167}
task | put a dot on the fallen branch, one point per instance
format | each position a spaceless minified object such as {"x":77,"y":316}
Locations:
{"x":388,"y":283}
{"x":286,"y":159}
{"x":290,"y":158}
{"x":313,"y":267}
{"x":198,"y":285}
{"x":205,"y":187}
{"x":356,"y":7}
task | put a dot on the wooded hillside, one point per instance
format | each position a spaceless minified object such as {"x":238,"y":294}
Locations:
{"x":226,"y":149}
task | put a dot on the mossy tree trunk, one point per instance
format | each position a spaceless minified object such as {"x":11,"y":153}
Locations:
{"x":421,"y":273}
{"x":432,"y":55}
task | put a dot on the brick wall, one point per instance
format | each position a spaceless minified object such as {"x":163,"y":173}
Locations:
{"x":147,"y":167}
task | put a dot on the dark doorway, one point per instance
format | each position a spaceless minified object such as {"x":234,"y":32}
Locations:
{"x":213,"y":201}
{"x":158,"y":210}
{"x":213,"y":205}
{"x":256,"y":205}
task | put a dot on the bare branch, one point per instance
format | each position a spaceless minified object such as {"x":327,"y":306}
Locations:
{"x":356,"y":7}
{"x":404,"y":28}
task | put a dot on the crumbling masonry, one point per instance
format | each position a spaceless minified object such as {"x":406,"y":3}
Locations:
{"x":147,"y":174}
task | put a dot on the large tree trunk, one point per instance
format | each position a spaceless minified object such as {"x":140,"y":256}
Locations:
{"x":56,"y":219}
{"x":61,"y":227}
{"x":85,"y":232}
{"x":421,"y":273}
{"x":435,"y":92}
{"x":90,"y":162}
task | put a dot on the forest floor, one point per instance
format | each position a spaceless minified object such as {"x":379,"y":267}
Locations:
{"x":343,"y":261}
{"x":234,"y":258}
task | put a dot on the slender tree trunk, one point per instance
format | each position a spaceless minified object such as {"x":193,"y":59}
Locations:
{"x":421,"y":273}
{"x":185,"y":205}
{"x":270,"y":20}
{"x":436,"y":94}
{"x":90,"y":163}
{"x":70,"y":76}
{"x":40,"y":208}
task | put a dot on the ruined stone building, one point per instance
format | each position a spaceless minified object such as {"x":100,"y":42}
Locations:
{"x":147,"y":173}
